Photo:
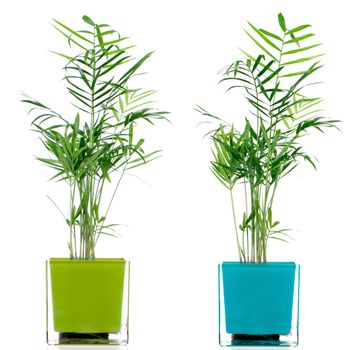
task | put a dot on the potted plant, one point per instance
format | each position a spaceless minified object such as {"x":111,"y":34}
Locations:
{"x":87,"y":297}
{"x":258,"y":300}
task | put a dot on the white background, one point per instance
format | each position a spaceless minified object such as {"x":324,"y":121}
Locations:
{"x":178,"y":224}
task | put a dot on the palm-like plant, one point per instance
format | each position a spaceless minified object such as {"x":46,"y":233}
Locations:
{"x":100,"y":141}
{"x":268,"y":148}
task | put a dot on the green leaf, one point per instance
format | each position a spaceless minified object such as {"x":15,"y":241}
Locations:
{"x":264,"y":37}
{"x":70,"y":39}
{"x":261,"y":46}
{"x":252,"y":58}
{"x":108,"y":68}
{"x":84,"y":78}
{"x":100,"y":40}
{"x":292,"y":74}
{"x":269,"y":215}
{"x":298,"y":29}
{"x":282,"y":22}
{"x":279,"y":239}
{"x":115,"y":41}
{"x":133,"y":69}
{"x":266,"y":68}
{"x":257,"y":62}
{"x":300,"y":60}
{"x":63,"y":55}
{"x":300,"y":38}
{"x":238,"y":79}
{"x":301,"y":49}
{"x":276,"y":223}
{"x":294,"y":37}
{"x":272,"y":75}
{"x":108,"y":32}
{"x":131,"y":133}
{"x":73,"y":32}
{"x":88,"y":20}
{"x":271,"y":34}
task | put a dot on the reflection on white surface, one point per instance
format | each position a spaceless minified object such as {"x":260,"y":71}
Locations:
{"x":258,"y":348}
{"x":116,"y":347}
{"x":87,"y":347}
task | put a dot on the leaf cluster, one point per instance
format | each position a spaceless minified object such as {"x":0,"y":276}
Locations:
{"x":275,"y":82}
{"x":101,"y":139}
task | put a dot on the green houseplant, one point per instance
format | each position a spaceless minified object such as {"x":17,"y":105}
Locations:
{"x":88,"y":297}
{"x":256,"y":297}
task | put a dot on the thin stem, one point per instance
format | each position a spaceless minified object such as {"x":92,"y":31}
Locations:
{"x":235,"y":225}
{"x":253,"y":231}
{"x":74,"y":233}
{"x":246,"y":210}
{"x":70,"y":220}
{"x":111,"y":200}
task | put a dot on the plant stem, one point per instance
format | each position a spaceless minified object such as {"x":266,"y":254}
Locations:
{"x":252,"y":204}
{"x":235,"y":225}
{"x":246,"y":210}
{"x":71,"y":223}
{"x":111,"y":200}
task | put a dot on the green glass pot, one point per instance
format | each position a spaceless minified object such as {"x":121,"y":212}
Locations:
{"x":87,"y":301}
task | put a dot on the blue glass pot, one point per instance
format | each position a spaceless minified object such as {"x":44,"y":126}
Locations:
{"x":258,"y":304}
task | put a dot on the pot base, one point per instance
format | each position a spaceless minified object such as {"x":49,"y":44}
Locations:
{"x":79,"y":338}
{"x":252,"y":339}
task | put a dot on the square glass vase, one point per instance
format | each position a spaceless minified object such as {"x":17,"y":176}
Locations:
{"x":259,"y":304}
{"x":87,"y":301}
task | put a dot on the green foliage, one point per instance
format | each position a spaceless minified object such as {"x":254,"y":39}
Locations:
{"x":101,"y":140}
{"x":275,"y":81}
